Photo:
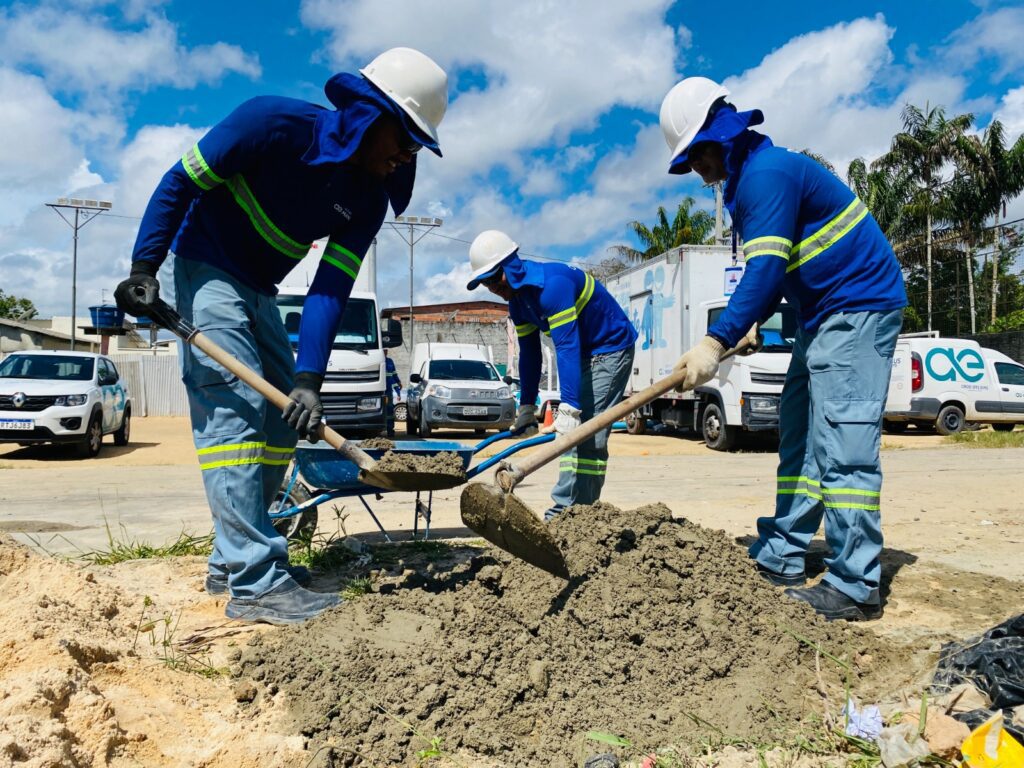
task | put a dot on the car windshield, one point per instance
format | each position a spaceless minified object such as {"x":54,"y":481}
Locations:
{"x":52,"y":367}
{"x":357,"y":330}
{"x":465,"y":370}
{"x":778,"y":331}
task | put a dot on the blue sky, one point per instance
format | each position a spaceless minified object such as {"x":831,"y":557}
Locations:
{"x":552,"y":128}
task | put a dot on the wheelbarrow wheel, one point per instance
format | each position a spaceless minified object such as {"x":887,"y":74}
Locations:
{"x":302,"y":526}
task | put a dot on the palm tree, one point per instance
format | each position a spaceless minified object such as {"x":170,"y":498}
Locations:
{"x":1000,"y":178}
{"x":688,"y":226}
{"x":886,"y":192}
{"x":927,"y":143}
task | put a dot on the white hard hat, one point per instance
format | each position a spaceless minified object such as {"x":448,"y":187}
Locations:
{"x":685,"y":109}
{"x":415,"y":83}
{"x":488,"y":250}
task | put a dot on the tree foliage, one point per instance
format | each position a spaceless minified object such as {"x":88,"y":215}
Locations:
{"x":688,"y":226}
{"x":14,"y":308}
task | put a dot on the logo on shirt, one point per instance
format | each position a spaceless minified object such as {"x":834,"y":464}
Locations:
{"x":343,"y":211}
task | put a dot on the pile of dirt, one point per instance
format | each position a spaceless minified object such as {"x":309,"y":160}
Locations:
{"x":377,"y":444}
{"x":664,"y":634}
{"x":443,"y":463}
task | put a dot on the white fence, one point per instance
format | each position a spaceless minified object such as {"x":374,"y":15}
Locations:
{"x":154,"y":382}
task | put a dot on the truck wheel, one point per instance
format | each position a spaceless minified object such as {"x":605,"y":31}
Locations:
{"x":950,"y":420}
{"x":93,"y":438}
{"x":124,"y":431}
{"x":1003,"y":426}
{"x":894,"y":427}
{"x":425,"y":429}
{"x":717,"y":436}
{"x":636,"y":424}
{"x":302,"y":526}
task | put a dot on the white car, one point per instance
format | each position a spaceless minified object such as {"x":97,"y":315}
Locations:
{"x":63,"y":397}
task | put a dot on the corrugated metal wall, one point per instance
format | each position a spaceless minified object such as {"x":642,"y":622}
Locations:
{"x":154,"y":382}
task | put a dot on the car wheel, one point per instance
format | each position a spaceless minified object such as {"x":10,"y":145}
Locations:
{"x":894,"y":427}
{"x":123,"y":432}
{"x":636,"y":424}
{"x":302,"y":526}
{"x":717,"y":436}
{"x":93,"y":438}
{"x":950,"y":420}
{"x":1003,"y":426}
{"x":401,"y":412}
{"x":425,"y":428}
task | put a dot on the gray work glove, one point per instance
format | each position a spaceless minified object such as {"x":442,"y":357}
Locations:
{"x":526,"y":421}
{"x":139,"y":292}
{"x":305,"y":412}
{"x":567,"y":419}
{"x":700,"y":363}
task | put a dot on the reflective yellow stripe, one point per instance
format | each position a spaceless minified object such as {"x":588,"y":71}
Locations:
{"x":588,"y":291}
{"x":348,"y":262}
{"x":768,"y":246}
{"x":198,"y":170}
{"x":828,"y":235}
{"x":230,"y":463}
{"x":232,"y":447}
{"x":244,"y":453}
{"x":266,"y":229}
{"x":525,"y":329}
{"x":562,"y":318}
{"x":278,"y":449}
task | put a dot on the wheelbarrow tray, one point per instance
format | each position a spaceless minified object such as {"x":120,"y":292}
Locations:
{"x":323,"y":467}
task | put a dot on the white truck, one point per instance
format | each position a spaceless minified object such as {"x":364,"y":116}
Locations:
{"x":354,"y":388}
{"x":942,"y":384}
{"x":671,"y":300}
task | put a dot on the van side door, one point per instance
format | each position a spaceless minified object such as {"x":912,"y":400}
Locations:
{"x":1011,"y":389}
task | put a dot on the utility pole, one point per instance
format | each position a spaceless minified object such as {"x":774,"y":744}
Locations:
{"x":418,"y":228}
{"x":719,"y":216}
{"x":85,"y":211}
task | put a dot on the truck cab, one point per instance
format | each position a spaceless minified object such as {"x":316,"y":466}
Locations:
{"x":354,"y":390}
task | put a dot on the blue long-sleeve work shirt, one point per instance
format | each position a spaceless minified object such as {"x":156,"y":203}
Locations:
{"x":578,"y":313}
{"x":259,"y":188}
{"x":806,"y":237}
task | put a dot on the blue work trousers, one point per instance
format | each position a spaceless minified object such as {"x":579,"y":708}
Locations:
{"x":582,"y":470}
{"x":243,"y":443}
{"x":830,"y":433}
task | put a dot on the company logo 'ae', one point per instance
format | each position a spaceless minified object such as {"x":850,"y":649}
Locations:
{"x":944,"y":364}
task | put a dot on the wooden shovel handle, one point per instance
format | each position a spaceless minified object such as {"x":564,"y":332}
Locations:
{"x":509,"y":475}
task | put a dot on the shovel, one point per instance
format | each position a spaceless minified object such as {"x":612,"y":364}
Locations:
{"x":496,"y":514}
{"x":369,"y":472}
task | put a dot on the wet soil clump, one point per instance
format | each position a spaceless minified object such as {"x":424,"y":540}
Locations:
{"x":664,"y":634}
{"x":444,"y":463}
{"x":377,"y":444}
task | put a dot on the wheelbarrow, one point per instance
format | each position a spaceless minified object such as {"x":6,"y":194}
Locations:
{"x":327,"y":475}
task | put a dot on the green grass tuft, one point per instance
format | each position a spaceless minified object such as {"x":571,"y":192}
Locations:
{"x":988,"y":439}
{"x":122,"y":549}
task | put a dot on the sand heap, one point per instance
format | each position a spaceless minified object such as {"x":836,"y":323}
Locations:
{"x":666,"y":634}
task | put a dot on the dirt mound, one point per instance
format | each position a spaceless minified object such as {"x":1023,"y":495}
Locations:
{"x":666,"y":634}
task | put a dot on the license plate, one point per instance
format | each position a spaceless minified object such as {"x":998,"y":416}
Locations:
{"x":474,"y":411}
{"x":17,"y":424}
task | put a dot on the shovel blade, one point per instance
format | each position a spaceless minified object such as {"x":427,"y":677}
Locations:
{"x":410,"y":481}
{"x":505,"y":521}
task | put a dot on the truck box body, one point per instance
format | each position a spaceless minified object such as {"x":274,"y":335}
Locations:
{"x":671,"y":300}
{"x":946,"y":382}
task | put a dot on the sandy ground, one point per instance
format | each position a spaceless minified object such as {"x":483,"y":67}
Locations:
{"x":82,"y":684}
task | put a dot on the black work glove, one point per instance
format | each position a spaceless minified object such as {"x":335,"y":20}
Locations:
{"x":136,"y":294}
{"x":304,"y":413}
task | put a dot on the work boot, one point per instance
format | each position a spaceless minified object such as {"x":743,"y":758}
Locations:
{"x":781,"y":580}
{"x":829,"y":602}
{"x":286,"y":604}
{"x":217,"y":584}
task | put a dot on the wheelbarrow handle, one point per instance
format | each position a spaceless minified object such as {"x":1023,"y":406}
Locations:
{"x":169,"y":318}
{"x":487,"y":463}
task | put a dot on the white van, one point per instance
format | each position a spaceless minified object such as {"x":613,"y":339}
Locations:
{"x":944,"y":383}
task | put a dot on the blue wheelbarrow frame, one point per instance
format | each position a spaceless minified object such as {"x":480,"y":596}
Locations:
{"x":328,"y":475}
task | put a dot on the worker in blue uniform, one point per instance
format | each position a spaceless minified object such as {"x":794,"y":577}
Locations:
{"x":239,"y":210}
{"x":593,"y":341}
{"x":808,"y":238}
{"x":393,"y":385}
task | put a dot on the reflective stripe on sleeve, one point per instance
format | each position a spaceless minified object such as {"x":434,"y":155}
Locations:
{"x":525,"y":329}
{"x":342,"y":258}
{"x":274,"y":237}
{"x":828,"y":235}
{"x":767,"y":246}
{"x":198,"y":170}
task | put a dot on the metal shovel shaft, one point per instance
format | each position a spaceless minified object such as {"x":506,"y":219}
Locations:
{"x":510,"y":475}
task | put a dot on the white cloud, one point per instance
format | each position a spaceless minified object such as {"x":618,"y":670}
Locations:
{"x":995,"y":35}
{"x":84,"y":53}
